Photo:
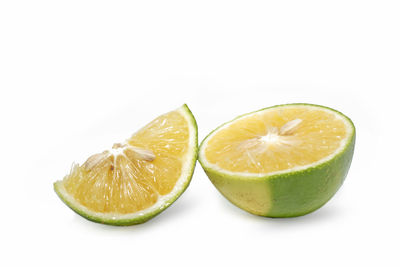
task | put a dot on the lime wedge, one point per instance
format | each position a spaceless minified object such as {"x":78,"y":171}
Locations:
{"x":137,"y":179}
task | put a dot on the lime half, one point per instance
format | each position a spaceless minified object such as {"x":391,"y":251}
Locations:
{"x":282,"y":161}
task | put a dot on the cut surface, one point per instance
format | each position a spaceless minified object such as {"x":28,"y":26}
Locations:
{"x":143,"y":174}
{"x":276,"y":139}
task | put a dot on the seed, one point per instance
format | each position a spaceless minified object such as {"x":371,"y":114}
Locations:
{"x":290,"y":127}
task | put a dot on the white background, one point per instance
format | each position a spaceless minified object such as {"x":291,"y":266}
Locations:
{"x":77,"y":76}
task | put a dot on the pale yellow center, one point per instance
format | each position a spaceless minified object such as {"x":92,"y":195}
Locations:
{"x":276,"y":139}
{"x":133,"y":175}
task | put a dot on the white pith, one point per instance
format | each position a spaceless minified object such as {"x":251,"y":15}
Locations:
{"x":278,"y":136}
{"x":274,"y":137}
{"x":163,"y":200}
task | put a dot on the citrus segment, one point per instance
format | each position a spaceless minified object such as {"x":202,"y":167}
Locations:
{"x":138,"y":178}
{"x":167,"y":136}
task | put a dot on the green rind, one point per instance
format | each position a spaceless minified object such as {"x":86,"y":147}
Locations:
{"x":141,"y":216}
{"x":285,"y":194}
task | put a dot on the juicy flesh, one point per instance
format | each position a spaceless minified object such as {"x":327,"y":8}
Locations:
{"x":124,"y":179}
{"x":276,"y":139}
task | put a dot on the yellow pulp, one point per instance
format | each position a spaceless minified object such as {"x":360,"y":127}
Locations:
{"x":119,"y":181}
{"x":258,"y":144}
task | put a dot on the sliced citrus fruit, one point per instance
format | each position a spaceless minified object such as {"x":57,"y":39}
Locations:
{"x":137,"y":179}
{"x":281,"y":161}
